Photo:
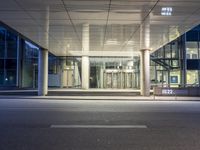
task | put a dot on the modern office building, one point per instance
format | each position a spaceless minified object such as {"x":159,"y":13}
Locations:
{"x":177,"y":64}
{"x":83,"y":44}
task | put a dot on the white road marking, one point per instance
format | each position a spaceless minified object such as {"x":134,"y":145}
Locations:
{"x":101,"y":126}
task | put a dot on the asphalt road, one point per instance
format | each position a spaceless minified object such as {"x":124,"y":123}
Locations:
{"x":34,"y":124}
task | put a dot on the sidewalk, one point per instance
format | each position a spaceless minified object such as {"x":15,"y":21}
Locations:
{"x":120,"y":98}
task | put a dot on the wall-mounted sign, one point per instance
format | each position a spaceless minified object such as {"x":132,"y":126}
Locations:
{"x":187,"y":91}
{"x":167,"y":91}
{"x":174,"y":91}
{"x":174,"y":79}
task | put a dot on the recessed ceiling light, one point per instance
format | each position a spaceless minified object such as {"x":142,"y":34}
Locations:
{"x":166,"y":11}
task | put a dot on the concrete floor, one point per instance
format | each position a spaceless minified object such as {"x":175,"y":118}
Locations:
{"x":30,"y":124}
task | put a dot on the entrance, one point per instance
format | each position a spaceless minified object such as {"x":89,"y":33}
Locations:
{"x":118,"y":79}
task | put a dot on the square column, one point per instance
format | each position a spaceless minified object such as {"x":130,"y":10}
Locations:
{"x":85,"y":58}
{"x":43,"y":72}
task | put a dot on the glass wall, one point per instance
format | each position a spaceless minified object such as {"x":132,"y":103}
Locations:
{"x":29,"y":65}
{"x":8,"y":57}
{"x":165,"y":65}
{"x":192,"y":51}
{"x":192,"y":78}
{"x":64,"y":72}
{"x":114,"y":72}
{"x":178,"y":62}
{"x":193,"y":57}
{"x":72,"y":70}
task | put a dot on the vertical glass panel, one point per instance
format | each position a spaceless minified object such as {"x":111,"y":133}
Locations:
{"x":168,"y":51}
{"x":192,"y":50}
{"x":11,"y":45}
{"x":2,"y":42}
{"x":192,"y":78}
{"x":52,"y":64}
{"x":1,"y":77}
{"x":114,"y":80}
{"x":160,"y":53}
{"x":30,"y":65}
{"x":10,"y":78}
{"x":65,"y":72}
{"x":175,"y":52}
{"x":1,"y":64}
{"x":11,"y":63}
{"x":192,"y":36}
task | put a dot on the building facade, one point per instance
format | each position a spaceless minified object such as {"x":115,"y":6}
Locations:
{"x":176,"y":64}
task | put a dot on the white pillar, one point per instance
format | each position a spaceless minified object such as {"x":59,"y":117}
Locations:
{"x":85,"y":72}
{"x":145,"y":57}
{"x":63,"y":74}
{"x":43,"y":72}
{"x":145,"y":72}
{"x":85,"y":57}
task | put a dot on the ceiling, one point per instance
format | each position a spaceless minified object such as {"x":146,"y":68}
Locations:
{"x":114,"y":24}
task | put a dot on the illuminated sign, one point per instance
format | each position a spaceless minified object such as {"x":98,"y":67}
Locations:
{"x":166,"y":11}
{"x":174,"y":91}
{"x":167,"y":91}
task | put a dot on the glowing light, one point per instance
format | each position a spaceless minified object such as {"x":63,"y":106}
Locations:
{"x":112,"y":42}
{"x":166,"y":11}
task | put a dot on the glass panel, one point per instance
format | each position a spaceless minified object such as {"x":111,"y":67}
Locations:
{"x":160,"y":53}
{"x":11,"y":45}
{"x":52,"y":64}
{"x":1,"y":64}
{"x":1,"y":77}
{"x":30,"y":65}
{"x":192,"y":50}
{"x":2,"y":43}
{"x":168,"y":51}
{"x":175,"y":63}
{"x":192,"y":78}
{"x":108,"y":80}
{"x":192,"y":36}
{"x":175,"y":52}
{"x":11,"y":63}
{"x":114,"y":72}
{"x":10,"y":79}
{"x":114,"y":80}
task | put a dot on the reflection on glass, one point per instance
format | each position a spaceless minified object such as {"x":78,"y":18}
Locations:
{"x":192,"y":78}
{"x":192,"y":50}
{"x":29,"y":65}
{"x":114,"y":72}
{"x":8,"y":58}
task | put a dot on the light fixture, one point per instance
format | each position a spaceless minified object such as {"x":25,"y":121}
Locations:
{"x":166,"y":11}
{"x":112,"y":42}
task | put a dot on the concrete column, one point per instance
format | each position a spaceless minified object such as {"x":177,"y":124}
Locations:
{"x":63,"y":74}
{"x":145,"y":57}
{"x":145,"y":72}
{"x":183,"y":65}
{"x":43,"y":72}
{"x":85,"y":57}
{"x":85,"y":72}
